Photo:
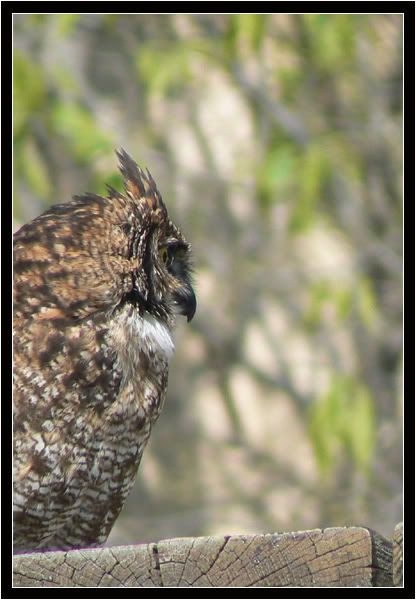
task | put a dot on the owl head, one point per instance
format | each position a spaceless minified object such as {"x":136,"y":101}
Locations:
{"x":163,"y":285}
{"x":96,"y":255}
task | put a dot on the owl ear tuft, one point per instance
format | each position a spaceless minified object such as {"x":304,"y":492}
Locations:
{"x":138,"y":184}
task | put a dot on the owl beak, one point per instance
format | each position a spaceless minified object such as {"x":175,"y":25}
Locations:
{"x":191,"y":306}
{"x":186,"y":302}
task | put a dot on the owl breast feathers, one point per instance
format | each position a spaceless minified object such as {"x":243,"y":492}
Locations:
{"x":98,"y":283}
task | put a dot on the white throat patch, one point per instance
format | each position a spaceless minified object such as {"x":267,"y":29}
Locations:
{"x":155,"y":336}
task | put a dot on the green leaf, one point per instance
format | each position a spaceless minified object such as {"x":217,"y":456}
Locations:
{"x":341,"y":421}
{"x":34,"y":171}
{"x":63,"y":80}
{"x":313,"y":174}
{"x":290,"y":80}
{"x":344,"y":157}
{"x":276,"y":173}
{"x":367,"y":302}
{"x":361,"y":431}
{"x":244,"y":31}
{"x":230,"y":38}
{"x":343,"y":298}
{"x":319,"y":294}
{"x":77,"y":125}
{"x":332,"y":39}
{"x":66,"y":23}
{"x":115,"y":180}
{"x":323,"y":292}
{"x":29,"y":90}
{"x":252,"y":29}
{"x":165,"y":70}
{"x":323,"y":429}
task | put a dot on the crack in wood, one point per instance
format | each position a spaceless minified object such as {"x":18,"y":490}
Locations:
{"x":226,"y":538}
{"x":156,"y":563}
{"x":334,"y":557}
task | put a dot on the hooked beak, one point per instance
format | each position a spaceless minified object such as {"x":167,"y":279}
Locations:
{"x":186,"y":302}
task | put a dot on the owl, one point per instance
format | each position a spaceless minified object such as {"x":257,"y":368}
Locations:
{"x":98,"y":284}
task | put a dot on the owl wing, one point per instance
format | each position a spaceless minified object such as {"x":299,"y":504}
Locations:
{"x":65,"y":378}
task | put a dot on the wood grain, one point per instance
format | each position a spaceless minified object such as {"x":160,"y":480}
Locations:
{"x":333,"y":557}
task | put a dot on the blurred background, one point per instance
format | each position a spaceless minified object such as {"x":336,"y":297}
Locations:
{"x":276,"y":142}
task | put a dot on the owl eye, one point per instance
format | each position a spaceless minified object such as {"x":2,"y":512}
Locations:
{"x":164,"y":256}
{"x":172,"y":256}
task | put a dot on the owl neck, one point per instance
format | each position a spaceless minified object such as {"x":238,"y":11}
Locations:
{"x":138,"y":338}
{"x":153,"y":336}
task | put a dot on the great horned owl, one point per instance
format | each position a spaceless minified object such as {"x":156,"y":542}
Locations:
{"x":98,"y":283}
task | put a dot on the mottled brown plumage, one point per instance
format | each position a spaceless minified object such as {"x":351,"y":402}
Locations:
{"x":98,"y":283}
